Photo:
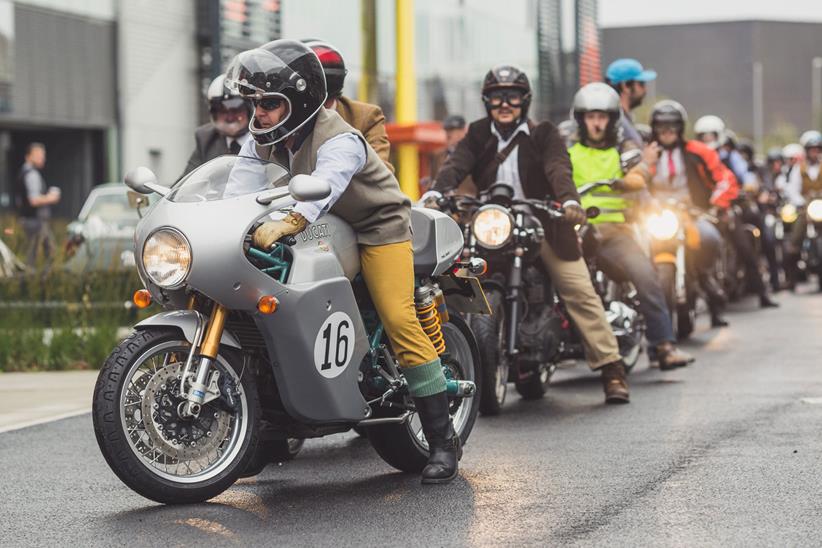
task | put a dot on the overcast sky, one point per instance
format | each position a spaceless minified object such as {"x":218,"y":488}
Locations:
{"x":628,"y":13}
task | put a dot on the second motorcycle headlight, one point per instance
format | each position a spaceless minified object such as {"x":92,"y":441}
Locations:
{"x":663,"y":226}
{"x":788,"y":213}
{"x":815,"y":211}
{"x":492,"y":226}
{"x":167,"y":258}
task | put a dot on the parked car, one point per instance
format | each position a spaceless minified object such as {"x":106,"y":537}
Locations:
{"x":102,"y":236}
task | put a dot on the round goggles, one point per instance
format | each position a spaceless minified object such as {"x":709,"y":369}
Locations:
{"x":496,"y":99}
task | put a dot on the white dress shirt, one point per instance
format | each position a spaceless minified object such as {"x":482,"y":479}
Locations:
{"x":242,"y":139}
{"x":792,"y":189}
{"x":508,"y":170}
{"x":338,"y":160}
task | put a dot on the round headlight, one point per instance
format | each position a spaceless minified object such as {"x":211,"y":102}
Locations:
{"x":663,"y":226}
{"x":492,"y":226}
{"x":788,"y":213}
{"x":815,"y":211}
{"x":167,"y":258}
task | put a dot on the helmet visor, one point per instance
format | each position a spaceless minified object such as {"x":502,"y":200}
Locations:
{"x":256,"y":73}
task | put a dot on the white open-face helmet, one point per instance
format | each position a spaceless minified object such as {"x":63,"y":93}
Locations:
{"x":711,"y":124}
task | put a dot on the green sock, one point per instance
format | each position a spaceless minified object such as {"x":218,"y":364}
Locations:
{"x":426,"y":379}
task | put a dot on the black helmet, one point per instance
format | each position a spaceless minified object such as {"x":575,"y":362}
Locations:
{"x":284,"y":69}
{"x":669,"y":112}
{"x":746,"y":148}
{"x":333,"y":65}
{"x":507,"y":77}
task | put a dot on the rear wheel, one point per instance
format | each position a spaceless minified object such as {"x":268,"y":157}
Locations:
{"x":403,"y":446}
{"x":490,"y":334}
{"x":534,"y":384}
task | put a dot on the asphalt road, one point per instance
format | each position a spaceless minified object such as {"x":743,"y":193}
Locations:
{"x":725,"y":452}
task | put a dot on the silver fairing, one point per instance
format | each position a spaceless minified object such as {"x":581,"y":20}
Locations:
{"x":316,"y":289}
{"x":437,"y":241}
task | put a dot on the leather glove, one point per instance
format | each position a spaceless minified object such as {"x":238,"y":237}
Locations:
{"x":268,"y":233}
{"x":575,"y":215}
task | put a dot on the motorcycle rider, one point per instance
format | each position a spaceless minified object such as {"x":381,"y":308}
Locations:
{"x":712,"y":131}
{"x":366,"y":118}
{"x":227,"y":131}
{"x":629,"y":79}
{"x":691,"y":172}
{"x":595,"y":157}
{"x":807,"y":177}
{"x":772,"y":178}
{"x":284,"y":79}
{"x":506,"y":146}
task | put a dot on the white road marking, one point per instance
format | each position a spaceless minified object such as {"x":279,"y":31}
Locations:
{"x":44,"y":420}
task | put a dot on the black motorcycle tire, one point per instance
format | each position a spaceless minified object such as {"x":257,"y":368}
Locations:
{"x":107,"y":413}
{"x":395,"y":443}
{"x":682,"y":315}
{"x":535,"y":385}
{"x":490,"y":333}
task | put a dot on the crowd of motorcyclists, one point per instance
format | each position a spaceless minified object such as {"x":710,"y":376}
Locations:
{"x":670,"y":219}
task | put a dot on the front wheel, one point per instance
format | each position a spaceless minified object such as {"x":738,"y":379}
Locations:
{"x":403,"y":446}
{"x":490,"y":334}
{"x":683,"y":315}
{"x":152,"y":448}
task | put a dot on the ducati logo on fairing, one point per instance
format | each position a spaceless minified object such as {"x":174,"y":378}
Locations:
{"x":315,"y":231}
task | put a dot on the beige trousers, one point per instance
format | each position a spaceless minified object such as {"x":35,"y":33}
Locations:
{"x":573,"y":284}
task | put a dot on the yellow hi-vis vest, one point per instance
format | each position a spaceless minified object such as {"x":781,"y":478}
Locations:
{"x":598,"y":164}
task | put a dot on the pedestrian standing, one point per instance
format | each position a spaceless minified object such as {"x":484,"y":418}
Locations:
{"x":34,"y":200}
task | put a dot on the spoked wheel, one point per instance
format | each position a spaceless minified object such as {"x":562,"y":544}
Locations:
{"x":146,"y":440}
{"x":403,"y":446}
{"x":535,"y":384}
{"x":490,"y":334}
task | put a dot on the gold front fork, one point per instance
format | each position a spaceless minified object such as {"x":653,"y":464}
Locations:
{"x":208,"y":353}
{"x":214,"y":332}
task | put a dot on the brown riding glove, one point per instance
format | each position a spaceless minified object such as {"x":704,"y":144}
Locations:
{"x":575,"y":215}
{"x":268,"y":233}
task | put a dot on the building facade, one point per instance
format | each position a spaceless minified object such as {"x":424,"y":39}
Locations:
{"x":758,"y":75}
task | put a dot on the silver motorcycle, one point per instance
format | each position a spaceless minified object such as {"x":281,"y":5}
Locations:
{"x":255,"y":347}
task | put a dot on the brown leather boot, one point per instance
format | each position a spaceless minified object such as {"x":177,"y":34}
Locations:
{"x":670,"y":357}
{"x":614,"y":383}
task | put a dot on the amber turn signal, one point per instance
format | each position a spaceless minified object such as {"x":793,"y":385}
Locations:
{"x":141,"y":298}
{"x":268,"y":304}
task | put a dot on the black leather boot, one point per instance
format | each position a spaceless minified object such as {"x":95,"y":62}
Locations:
{"x":444,"y":444}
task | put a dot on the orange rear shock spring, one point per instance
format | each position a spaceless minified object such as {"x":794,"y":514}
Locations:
{"x":430,"y":320}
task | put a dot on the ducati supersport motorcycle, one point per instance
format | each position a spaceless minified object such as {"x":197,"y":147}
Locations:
{"x":529,"y":331}
{"x":286,"y":337}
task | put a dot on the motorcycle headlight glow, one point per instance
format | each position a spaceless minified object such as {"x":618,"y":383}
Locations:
{"x":492,"y":226}
{"x":167,"y":258}
{"x":788,"y":213}
{"x":663,"y":226}
{"x":815,"y":211}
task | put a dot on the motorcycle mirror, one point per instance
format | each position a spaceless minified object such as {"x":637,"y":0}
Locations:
{"x":136,"y":200}
{"x":592,"y":212}
{"x":141,"y":179}
{"x":306,"y":188}
{"x":630,"y":158}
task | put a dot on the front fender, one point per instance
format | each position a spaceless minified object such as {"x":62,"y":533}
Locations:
{"x":185,"y":321}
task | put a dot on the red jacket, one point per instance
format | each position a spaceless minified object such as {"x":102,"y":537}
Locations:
{"x":710,"y":182}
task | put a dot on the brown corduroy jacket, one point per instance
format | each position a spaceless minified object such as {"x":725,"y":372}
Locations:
{"x":544,"y":171}
{"x":370,"y":121}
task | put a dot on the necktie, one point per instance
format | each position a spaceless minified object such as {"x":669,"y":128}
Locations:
{"x":234,"y":148}
{"x":671,"y":167}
